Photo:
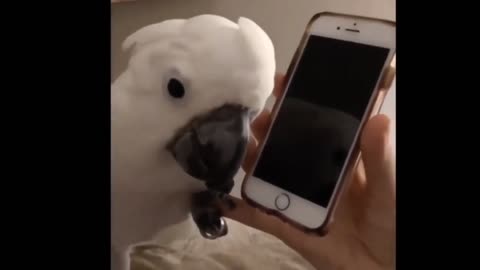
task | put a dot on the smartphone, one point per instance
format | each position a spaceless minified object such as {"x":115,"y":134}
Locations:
{"x":334,"y":84}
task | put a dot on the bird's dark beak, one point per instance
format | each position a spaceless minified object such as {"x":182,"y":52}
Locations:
{"x":212,"y":147}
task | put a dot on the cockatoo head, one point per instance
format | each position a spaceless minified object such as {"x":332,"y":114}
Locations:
{"x":198,"y":83}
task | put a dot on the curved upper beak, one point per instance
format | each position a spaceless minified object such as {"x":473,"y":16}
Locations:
{"x":212,"y":147}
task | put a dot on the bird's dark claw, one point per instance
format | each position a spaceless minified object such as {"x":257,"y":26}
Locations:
{"x":207,"y":214}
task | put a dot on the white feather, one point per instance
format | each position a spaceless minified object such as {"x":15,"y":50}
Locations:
{"x":219,"y":62}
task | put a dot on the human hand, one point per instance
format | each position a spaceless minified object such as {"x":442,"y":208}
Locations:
{"x":363,"y":233}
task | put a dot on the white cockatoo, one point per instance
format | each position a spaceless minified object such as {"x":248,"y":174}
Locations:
{"x":180,"y":116}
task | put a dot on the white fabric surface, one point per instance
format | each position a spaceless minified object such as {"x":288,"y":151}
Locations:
{"x":242,"y":248}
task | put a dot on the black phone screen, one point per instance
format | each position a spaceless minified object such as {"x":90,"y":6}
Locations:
{"x":320,"y":117}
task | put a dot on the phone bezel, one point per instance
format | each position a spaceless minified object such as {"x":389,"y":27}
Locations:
{"x":304,"y":213}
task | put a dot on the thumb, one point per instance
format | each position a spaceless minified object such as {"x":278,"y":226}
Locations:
{"x":377,"y":157}
{"x":378,"y":223}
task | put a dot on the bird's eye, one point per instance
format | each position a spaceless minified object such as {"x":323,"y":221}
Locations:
{"x":175,"y":88}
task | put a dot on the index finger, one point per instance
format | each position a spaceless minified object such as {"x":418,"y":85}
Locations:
{"x":378,"y":157}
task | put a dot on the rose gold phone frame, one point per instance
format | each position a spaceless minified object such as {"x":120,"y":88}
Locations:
{"x":373,"y":109}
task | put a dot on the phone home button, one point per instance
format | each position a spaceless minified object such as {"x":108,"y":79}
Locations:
{"x":282,"y":201}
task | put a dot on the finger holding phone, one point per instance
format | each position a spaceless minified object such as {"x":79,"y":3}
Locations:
{"x":322,"y":176}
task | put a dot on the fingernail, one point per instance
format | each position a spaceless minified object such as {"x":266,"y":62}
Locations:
{"x":389,"y":127}
{"x":386,"y":128}
{"x":388,"y":140}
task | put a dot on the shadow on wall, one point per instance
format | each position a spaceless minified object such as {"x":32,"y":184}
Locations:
{"x":284,"y":23}
{"x":131,"y":16}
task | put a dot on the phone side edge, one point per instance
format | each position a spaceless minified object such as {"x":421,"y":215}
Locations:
{"x":355,"y":155}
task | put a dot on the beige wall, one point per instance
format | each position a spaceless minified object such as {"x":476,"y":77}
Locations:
{"x":283,"y":20}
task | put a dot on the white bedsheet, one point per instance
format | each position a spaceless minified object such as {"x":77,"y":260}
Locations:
{"x":242,"y":248}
